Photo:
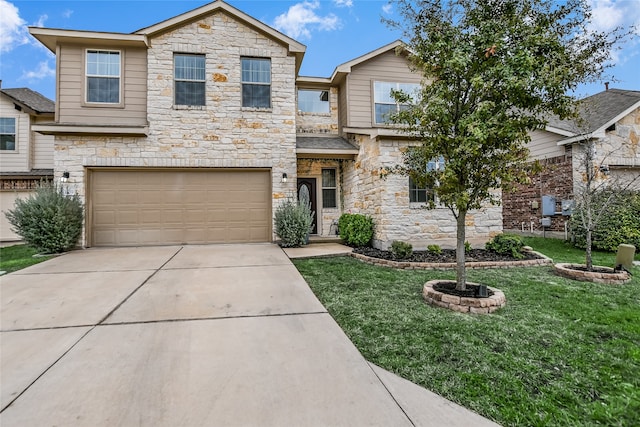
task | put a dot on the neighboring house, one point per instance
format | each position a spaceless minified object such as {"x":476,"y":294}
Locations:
{"x":26,"y":157}
{"x":612,"y":120}
{"x":194,"y":130}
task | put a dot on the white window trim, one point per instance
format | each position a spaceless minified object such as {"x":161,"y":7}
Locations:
{"x":87,"y":103}
{"x":188,"y":106}
{"x":270,"y":84}
{"x":322,"y":187}
{"x":373,"y":99}
{"x":15,"y":135}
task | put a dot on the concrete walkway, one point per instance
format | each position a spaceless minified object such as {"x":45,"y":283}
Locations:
{"x":220,"y":335}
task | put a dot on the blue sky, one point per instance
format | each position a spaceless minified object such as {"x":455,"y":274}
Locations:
{"x":335,"y":31}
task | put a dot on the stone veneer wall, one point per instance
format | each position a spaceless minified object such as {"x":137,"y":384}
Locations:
{"x":220,"y":135}
{"x":386,"y":200}
{"x":555,"y":179}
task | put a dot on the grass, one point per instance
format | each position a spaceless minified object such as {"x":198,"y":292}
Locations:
{"x":560,"y":353}
{"x":17,"y":257}
{"x":562,"y":251}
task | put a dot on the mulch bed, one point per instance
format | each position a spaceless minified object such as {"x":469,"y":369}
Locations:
{"x":449,"y":288}
{"x":447,"y":255}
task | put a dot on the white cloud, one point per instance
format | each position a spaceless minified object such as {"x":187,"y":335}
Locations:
{"x":609,"y":14}
{"x":13,"y":29}
{"x":41,"y":20}
{"x":41,"y":72}
{"x":606,"y":15}
{"x":387,"y":8}
{"x":67,"y":13}
{"x":301,"y":18}
{"x":343,"y":3}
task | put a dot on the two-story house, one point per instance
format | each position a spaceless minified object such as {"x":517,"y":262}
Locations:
{"x":611,"y":120}
{"x":195,"y":129}
{"x":26,"y":157}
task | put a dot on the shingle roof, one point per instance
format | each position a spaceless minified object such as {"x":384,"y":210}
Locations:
{"x":324,"y":143}
{"x":31,"y":99}
{"x":598,"y":110}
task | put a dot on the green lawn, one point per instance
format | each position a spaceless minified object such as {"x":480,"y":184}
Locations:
{"x":17,"y":257}
{"x":560,"y":353}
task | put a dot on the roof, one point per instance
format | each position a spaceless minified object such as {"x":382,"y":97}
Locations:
{"x":324,"y":146}
{"x":597,"y":113}
{"x":31,"y":99}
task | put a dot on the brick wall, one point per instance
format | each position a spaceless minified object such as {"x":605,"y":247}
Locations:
{"x":555,"y":179}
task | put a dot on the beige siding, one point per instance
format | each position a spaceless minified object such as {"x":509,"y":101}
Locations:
{"x":18,"y":160}
{"x":544,"y":145}
{"x":342,"y":106}
{"x":7,"y":202}
{"x":71,"y":89}
{"x":42,"y":147}
{"x":387,"y":67}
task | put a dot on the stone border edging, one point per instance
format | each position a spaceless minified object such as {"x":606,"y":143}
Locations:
{"x":614,"y":278}
{"x":463,"y":304}
{"x":405,"y":265}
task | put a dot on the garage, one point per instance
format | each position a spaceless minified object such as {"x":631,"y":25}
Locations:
{"x":187,"y":206}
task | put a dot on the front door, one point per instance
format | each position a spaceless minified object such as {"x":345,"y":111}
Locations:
{"x":308,"y":186}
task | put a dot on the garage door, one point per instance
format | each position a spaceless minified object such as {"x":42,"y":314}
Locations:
{"x":151,"y":207}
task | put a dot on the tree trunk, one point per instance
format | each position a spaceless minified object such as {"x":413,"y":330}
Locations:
{"x":461,"y":270}
{"x":588,"y":251}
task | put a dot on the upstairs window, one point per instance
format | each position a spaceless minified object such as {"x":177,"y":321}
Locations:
{"x":7,"y":134}
{"x":313,"y":101}
{"x":256,"y":82}
{"x":384,"y":103}
{"x":329,"y":188}
{"x":189,"y":79}
{"x":103,"y":76}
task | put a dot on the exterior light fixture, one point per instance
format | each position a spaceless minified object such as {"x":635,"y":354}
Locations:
{"x":65,"y":177}
{"x":284,"y":177}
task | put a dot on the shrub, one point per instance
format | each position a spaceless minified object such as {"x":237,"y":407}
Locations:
{"x":467,"y":247}
{"x":506,"y":244}
{"x":618,"y":224}
{"x":436,"y":249}
{"x":48,"y":220}
{"x":401,"y":250}
{"x":294,"y":222}
{"x":356,"y":229}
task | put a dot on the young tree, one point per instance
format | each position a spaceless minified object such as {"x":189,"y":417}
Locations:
{"x":493,"y":70}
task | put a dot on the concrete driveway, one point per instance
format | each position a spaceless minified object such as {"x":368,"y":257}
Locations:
{"x":220,"y":335}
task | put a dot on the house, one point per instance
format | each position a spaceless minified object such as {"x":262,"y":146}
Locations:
{"x":26,"y":157}
{"x":195,"y":129}
{"x":611,"y":119}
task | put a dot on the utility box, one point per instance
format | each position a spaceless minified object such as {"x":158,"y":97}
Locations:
{"x":545,"y":222}
{"x":567,"y":207}
{"x":624,"y":257}
{"x":548,"y":205}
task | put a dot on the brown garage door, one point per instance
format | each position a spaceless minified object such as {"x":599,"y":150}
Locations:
{"x":151,"y":207}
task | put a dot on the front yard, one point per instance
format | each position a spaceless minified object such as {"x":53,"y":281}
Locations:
{"x":560,"y":353}
{"x":17,"y":257}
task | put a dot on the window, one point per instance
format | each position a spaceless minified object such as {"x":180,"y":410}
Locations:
{"x":329,"y":188}
{"x":7,"y":134}
{"x":419,"y":195}
{"x":424,"y":195}
{"x":313,"y":101}
{"x":189,"y":79}
{"x":385,"y":104}
{"x":256,"y":82}
{"x":103,"y":76}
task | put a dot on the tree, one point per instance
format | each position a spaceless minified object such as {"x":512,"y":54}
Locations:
{"x":596,"y":192}
{"x":493,"y":70}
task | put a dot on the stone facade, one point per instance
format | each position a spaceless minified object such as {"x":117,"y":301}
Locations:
{"x":386,"y":200}
{"x":312,"y":168}
{"x":221,"y":134}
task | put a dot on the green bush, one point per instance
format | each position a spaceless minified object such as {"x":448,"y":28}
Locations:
{"x":401,"y":250}
{"x":48,"y":220}
{"x":436,"y":249}
{"x":356,"y":229}
{"x":467,"y":247}
{"x":294,"y":222}
{"x":618,"y":224}
{"x":506,"y":244}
